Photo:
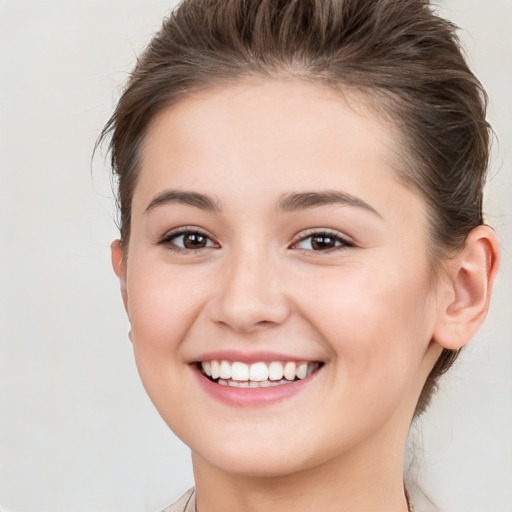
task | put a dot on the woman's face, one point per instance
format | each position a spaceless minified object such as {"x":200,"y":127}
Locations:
{"x":269,"y":226}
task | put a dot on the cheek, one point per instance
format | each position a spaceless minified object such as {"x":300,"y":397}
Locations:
{"x":376,"y":322}
{"x":162,"y":306}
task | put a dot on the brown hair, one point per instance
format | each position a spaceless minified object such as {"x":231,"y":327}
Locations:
{"x":398,"y":53}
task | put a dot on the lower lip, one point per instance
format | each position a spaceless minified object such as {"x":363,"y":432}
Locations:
{"x":252,"y":397}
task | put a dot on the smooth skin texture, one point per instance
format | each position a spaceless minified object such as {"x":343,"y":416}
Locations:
{"x":259,"y":280}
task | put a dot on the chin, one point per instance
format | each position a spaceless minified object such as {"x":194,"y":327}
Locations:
{"x":264,"y":456}
{"x":255,"y":464}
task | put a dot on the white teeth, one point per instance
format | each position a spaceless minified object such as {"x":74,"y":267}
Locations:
{"x":312,"y":368}
{"x":236,"y":384}
{"x":302,"y":371}
{"x":240,"y":371}
{"x":289,"y":371}
{"x":225,"y":370}
{"x":275,"y":370}
{"x":258,"y":372}
{"x":253,"y":384}
{"x":215,"y":369}
{"x":238,"y":374}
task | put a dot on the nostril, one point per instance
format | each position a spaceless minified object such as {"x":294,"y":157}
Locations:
{"x":264,"y":323}
{"x":246,"y":324}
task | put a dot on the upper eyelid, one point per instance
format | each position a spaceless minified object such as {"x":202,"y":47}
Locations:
{"x":183,"y":230}
{"x":322,"y":231}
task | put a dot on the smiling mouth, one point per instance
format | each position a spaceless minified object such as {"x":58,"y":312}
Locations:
{"x":257,"y":375}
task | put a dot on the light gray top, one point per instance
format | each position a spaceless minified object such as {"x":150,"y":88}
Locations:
{"x":187,"y":503}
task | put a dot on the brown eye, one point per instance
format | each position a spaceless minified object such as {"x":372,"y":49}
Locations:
{"x":194,"y":241}
{"x":322,"y":242}
{"x":319,"y":243}
{"x":188,"y":240}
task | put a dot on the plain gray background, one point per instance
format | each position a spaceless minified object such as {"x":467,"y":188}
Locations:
{"x":77,"y":432}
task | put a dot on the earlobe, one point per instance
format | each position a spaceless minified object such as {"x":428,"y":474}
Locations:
{"x":472,"y":274}
{"x":119,"y":266}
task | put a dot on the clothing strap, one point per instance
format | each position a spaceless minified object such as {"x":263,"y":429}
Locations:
{"x":410,"y":505}
{"x":188,"y":502}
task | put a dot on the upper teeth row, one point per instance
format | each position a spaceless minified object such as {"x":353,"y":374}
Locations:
{"x":258,"y":372}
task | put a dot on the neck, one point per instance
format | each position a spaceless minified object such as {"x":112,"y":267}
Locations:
{"x":357,"y":482}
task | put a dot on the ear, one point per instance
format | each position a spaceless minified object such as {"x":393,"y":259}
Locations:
{"x":467,"y":292}
{"x":119,"y":266}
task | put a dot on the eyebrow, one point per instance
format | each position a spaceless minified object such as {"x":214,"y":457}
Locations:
{"x":304,"y":200}
{"x":288,"y":203}
{"x":194,"y":199}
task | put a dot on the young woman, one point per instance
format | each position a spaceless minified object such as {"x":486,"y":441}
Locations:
{"x":302,"y":247}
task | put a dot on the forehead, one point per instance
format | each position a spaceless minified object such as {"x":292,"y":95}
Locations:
{"x":287,"y":129}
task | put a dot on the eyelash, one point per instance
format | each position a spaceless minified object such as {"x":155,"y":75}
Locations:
{"x":168,"y":238}
{"x":339,"y":241}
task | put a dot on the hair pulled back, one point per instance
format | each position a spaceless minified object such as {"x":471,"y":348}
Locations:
{"x":398,"y":53}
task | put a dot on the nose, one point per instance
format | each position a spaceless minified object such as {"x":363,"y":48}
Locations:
{"x":251,"y":295}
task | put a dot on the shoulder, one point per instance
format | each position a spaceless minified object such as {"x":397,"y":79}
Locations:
{"x":185,"y":504}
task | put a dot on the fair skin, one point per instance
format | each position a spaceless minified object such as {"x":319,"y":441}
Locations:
{"x":340,"y":281}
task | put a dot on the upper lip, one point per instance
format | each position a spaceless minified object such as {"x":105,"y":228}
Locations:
{"x":251,"y":357}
